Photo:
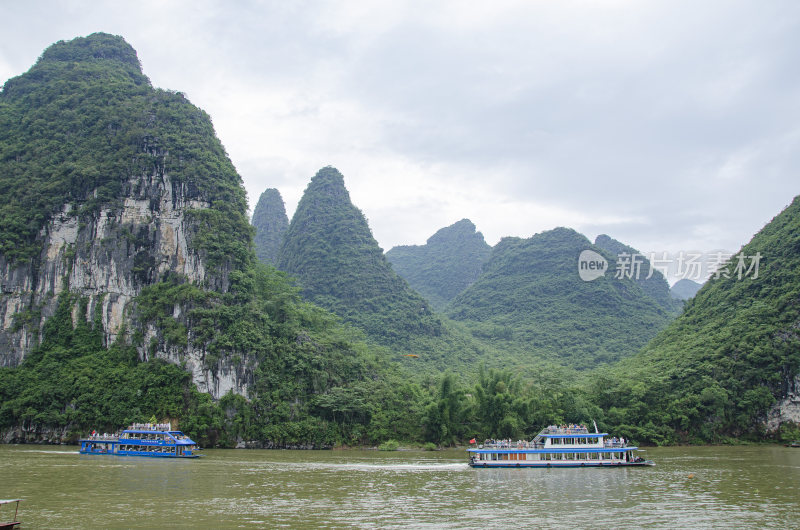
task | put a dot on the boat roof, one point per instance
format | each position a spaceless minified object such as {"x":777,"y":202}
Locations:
{"x":555,"y":450}
{"x":572,"y":434}
{"x":151,"y":431}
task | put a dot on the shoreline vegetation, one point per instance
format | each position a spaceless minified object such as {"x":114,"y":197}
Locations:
{"x":401,"y":446}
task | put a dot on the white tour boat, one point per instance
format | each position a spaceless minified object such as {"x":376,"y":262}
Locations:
{"x":563,"y":446}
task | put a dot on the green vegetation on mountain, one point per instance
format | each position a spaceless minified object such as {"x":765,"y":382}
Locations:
{"x":530,"y":300}
{"x":270,"y":223}
{"x":313,"y":384}
{"x":82,"y":121}
{"x":445,"y":265}
{"x":638,"y":267}
{"x":330,"y":249}
{"x":714,"y":373}
{"x":75,"y":129}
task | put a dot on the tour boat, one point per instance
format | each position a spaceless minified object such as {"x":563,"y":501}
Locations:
{"x":142,"y":439}
{"x":564,"y":446}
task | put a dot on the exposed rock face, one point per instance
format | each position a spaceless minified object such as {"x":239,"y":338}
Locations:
{"x":787,"y":409}
{"x":270,"y":222}
{"x":36,"y":434}
{"x":124,"y":186}
{"x":109,"y":258}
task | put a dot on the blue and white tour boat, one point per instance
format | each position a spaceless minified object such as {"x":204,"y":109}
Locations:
{"x":141,"y":439}
{"x":558,"y":446}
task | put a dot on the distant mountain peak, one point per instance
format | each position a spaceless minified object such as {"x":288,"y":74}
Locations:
{"x":531,"y":296}
{"x":271,"y":223}
{"x":328,"y":183}
{"x":329,"y":247}
{"x":446,"y":265}
{"x":95,"y":47}
{"x":684,"y":289}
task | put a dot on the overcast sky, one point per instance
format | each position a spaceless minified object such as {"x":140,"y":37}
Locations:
{"x":669,"y":125}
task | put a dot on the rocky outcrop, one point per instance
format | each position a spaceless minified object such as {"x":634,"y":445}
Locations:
{"x":786,"y":410}
{"x":108,"y":258}
{"x":226,"y":375}
{"x":110,"y":186}
{"x":38,"y":434}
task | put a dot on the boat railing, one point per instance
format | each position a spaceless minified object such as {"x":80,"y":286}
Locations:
{"x":150,"y":427}
{"x":565,"y":430}
{"x":503,"y":444}
{"x":104,"y":437}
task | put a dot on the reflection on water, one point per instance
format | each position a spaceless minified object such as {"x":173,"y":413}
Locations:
{"x":689,"y":487}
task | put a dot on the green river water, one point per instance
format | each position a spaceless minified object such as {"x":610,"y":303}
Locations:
{"x":690,"y":487}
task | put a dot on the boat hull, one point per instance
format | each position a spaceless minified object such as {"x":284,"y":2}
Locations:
{"x":137,"y":453}
{"x":558,"y":465}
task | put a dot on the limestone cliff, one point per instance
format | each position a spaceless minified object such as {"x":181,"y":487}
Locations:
{"x":125,"y":186}
{"x":787,"y":410}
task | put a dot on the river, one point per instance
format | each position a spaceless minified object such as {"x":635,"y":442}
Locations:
{"x":690,"y":487}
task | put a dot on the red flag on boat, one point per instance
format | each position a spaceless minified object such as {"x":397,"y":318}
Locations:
{"x":472,"y":441}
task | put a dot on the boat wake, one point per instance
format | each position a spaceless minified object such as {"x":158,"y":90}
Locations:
{"x":372,"y":467}
{"x":49,"y":452}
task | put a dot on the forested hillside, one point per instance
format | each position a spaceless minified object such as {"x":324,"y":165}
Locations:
{"x":530,"y":299}
{"x":651,"y":280}
{"x":727,"y":364}
{"x":330,"y":249}
{"x":445,"y":265}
